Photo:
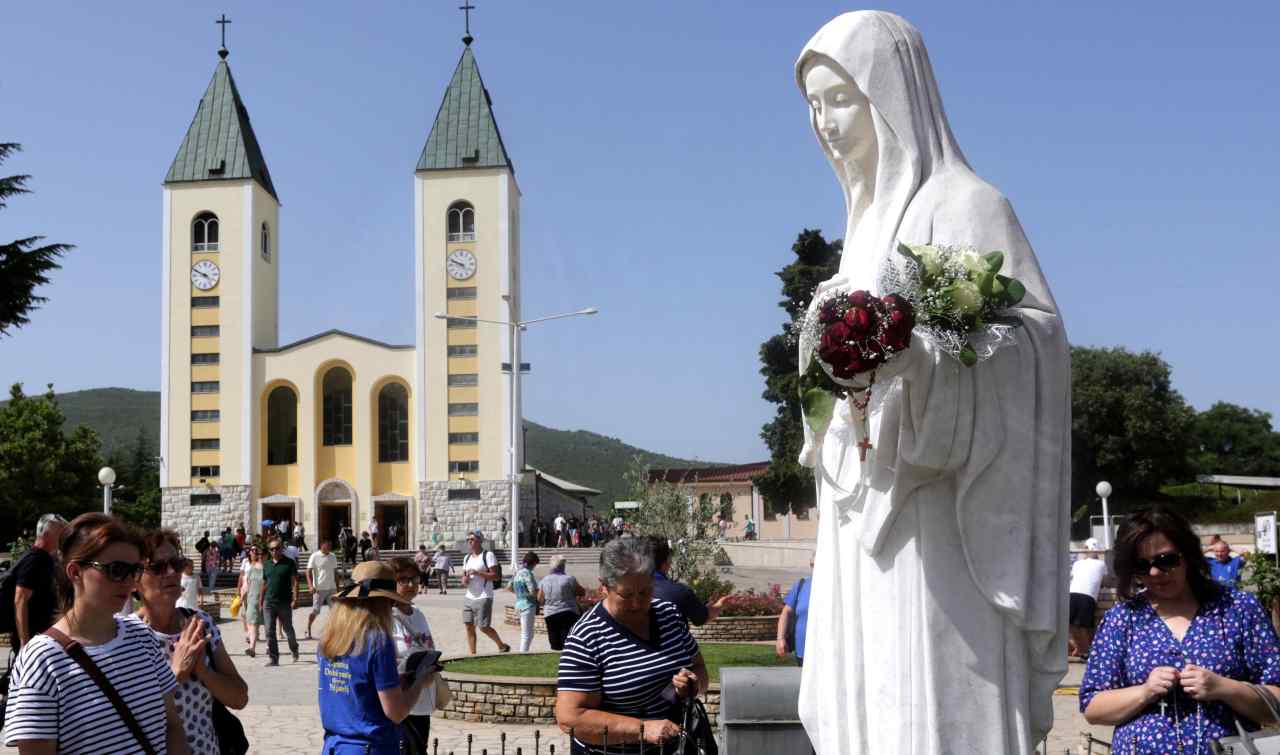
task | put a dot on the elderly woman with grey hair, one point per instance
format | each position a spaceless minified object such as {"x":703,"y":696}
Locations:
{"x":558,"y":595}
{"x":629,"y":662}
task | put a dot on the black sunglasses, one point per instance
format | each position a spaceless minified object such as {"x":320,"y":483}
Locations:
{"x":178,"y":564}
{"x":1165,"y":562}
{"x":117,"y":571}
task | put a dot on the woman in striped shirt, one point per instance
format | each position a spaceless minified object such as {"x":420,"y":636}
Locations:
{"x":628,"y":663}
{"x":54,"y":705}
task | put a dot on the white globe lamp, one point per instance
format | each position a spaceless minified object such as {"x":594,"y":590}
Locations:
{"x":107,"y":478}
{"x":1104,"y":492}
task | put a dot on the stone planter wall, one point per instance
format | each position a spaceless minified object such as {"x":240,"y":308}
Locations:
{"x":511,"y":617}
{"x":519,"y":700}
{"x":737,"y":629}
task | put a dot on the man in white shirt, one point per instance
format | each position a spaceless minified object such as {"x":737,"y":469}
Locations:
{"x":479,"y":571}
{"x":322,"y":579}
{"x":560,"y":533}
{"x":373,"y":532}
{"x":1087,"y":573}
{"x":291,"y":552}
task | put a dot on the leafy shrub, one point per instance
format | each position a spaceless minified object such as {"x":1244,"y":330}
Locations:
{"x":1262,"y":578}
{"x":708,"y":586}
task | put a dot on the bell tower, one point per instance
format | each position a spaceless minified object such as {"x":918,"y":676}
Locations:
{"x":221,"y":241}
{"x":467,"y":262}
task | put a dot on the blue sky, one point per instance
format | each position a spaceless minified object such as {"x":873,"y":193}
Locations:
{"x":666,"y":164}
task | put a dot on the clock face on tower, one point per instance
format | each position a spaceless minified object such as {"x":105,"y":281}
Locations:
{"x":461,"y":264}
{"x":205,"y":274}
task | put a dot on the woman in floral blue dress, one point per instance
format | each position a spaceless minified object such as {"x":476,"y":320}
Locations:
{"x":1174,"y":661}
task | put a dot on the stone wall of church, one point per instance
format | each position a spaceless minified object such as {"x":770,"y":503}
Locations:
{"x":190,"y":522}
{"x":459,"y":516}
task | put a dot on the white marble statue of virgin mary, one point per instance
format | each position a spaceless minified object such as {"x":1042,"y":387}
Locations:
{"x":938,"y":617}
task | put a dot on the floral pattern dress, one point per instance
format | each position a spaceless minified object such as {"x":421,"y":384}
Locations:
{"x":1230,"y":635}
{"x":253,"y":582}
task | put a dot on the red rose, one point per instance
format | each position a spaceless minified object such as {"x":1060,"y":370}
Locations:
{"x":893,"y":301}
{"x":859,"y":298}
{"x":858,"y":319}
{"x":835,"y":335}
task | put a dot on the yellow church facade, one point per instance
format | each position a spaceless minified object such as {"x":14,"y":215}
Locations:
{"x":338,"y":429}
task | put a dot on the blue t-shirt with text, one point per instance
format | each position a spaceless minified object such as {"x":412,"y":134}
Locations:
{"x":798,"y":599}
{"x":350,"y":709}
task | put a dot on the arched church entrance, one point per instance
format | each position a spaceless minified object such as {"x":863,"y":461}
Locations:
{"x":336,"y":507}
{"x":392,"y":513}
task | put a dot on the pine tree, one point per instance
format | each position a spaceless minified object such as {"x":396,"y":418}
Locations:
{"x":786,"y":484}
{"x":23,"y":265}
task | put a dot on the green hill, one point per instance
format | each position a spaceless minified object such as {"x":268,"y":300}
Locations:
{"x":584,"y":457}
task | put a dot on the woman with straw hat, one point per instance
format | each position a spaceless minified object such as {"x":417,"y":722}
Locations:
{"x":363,"y":698}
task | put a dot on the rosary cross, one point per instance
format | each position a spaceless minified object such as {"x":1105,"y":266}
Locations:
{"x":864,"y":445}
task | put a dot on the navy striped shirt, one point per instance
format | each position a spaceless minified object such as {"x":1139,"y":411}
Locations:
{"x":51,"y":697}
{"x":603,"y":657}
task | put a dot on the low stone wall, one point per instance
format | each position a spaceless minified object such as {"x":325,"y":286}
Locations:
{"x":518,"y":700}
{"x":771,"y":554}
{"x":737,"y":629}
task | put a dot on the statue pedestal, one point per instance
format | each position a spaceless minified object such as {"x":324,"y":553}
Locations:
{"x":759,"y":712}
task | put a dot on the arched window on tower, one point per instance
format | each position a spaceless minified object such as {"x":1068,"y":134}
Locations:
{"x":336,"y":407}
{"x":393,"y":423}
{"x":462,"y":222}
{"x":282,"y":426}
{"x":204,"y":233}
{"x":266,"y":242}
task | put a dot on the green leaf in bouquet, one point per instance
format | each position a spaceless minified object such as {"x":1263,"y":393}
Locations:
{"x":986,"y":285}
{"x":968,"y":357}
{"x":906,"y":251}
{"x":818,"y":405}
{"x":994,"y":260}
{"x":1014,"y":291}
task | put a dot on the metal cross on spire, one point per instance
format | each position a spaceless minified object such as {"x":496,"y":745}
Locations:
{"x":222,"y":51}
{"x":466,"y":8}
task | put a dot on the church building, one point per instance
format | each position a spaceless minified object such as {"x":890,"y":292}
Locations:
{"x":337,"y":428}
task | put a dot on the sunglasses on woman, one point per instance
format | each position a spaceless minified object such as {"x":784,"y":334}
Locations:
{"x":1165,"y":562}
{"x":159,"y":568}
{"x":116,"y":571}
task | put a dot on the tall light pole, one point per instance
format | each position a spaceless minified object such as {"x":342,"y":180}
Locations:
{"x":517,"y":327}
{"x":106,"y":478}
{"x":1104,"y":492}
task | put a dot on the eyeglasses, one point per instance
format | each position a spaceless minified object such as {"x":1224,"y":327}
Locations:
{"x":178,"y":564}
{"x":117,"y":571}
{"x":1165,"y":562}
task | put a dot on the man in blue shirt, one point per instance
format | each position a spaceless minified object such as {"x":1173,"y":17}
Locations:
{"x":795,"y":614}
{"x":1223,"y":567}
{"x":693,"y":610}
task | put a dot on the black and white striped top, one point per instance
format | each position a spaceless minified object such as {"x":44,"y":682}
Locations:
{"x":51,"y":697}
{"x":602,"y":656}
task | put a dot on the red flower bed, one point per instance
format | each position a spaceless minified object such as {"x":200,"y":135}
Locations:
{"x":752,"y":603}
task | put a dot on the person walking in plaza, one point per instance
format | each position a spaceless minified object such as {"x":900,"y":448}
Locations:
{"x":190,"y":640}
{"x":441,"y":566}
{"x":279,"y":598}
{"x":412,"y":634}
{"x":210,"y":566}
{"x":251,"y":588}
{"x":561,"y":527}
{"x":374,"y":530}
{"x":525,"y":586}
{"x":437,"y":532}
{"x":363,"y":698}
{"x":693,"y":611}
{"x":793,"y":622}
{"x":347,"y":543}
{"x":558,"y":594}
{"x":1087,"y":573}
{"x":52,"y":694}
{"x":227,"y":550}
{"x":1224,"y":567}
{"x":241,"y":538}
{"x":322,"y":580}
{"x":749,"y":528}
{"x":190,"y":586}
{"x":422,"y":560}
{"x":31,"y":585}
{"x":1175,"y":661}
{"x":365,"y":545}
{"x":629,"y":662}
{"x":479,"y":571}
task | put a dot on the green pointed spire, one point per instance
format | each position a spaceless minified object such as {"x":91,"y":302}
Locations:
{"x":465,"y":135}
{"x":220,"y":144}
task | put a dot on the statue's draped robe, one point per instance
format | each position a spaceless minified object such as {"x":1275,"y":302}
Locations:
{"x":938,"y":613}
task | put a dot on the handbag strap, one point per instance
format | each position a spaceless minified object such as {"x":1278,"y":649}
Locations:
{"x":1273,"y":705}
{"x":78,"y":654}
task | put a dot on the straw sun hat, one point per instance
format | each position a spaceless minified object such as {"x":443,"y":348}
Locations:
{"x":372,"y":579}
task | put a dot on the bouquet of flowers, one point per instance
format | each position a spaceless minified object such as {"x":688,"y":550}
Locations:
{"x":953,"y":297}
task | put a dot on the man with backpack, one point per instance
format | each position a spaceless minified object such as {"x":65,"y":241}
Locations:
{"x":27,"y":596}
{"x":480,"y":572}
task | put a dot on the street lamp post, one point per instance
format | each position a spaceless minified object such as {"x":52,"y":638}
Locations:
{"x":1104,"y":492}
{"x":107,"y":478}
{"x":517,"y":327}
